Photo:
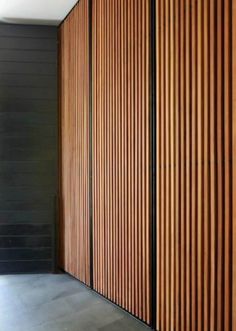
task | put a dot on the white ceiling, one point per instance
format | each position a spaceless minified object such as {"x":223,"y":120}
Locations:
{"x":35,"y":11}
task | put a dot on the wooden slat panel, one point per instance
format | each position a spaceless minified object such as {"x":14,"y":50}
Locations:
{"x":213,"y":210}
{"x":121,"y":153}
{"x":234,"y":159}
{"x":194,"y":158}
{"x":74,"y":108}
{"x":194,"y":138}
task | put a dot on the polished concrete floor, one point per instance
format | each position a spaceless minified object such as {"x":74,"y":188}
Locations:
{"x":58,"y":303}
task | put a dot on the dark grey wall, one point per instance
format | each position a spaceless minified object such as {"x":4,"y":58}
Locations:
{"x":28,"y":147}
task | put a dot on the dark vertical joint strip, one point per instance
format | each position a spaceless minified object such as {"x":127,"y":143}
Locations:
{"x":90,"y":142}
{"x":231,"y":52}
{"x":153,"y":161}
{"x":58,"y":213}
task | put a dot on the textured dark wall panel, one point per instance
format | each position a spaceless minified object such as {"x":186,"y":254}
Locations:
{"x":28,"y":147}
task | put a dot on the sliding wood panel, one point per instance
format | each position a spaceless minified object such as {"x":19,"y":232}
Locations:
{"x":120,"y":93}
{"x":194,"y":165}
{"x":74,"y":109}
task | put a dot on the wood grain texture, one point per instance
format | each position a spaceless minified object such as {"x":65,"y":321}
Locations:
{"x":121,"y":153}
{"x":195,"y":95}
{"x":194,"y":162}
{"x":74,"y":110}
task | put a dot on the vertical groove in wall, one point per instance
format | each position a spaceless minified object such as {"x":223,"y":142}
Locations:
{"x":233,"y":74}
{"x":120,"y":153}
{"x":233,"y":64}
{"x":74,"y":104}
{"x":194,"y":162}
{"x":153,"y":178}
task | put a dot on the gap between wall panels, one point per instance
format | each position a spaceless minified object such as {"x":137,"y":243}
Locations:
{"x":146,"y":107}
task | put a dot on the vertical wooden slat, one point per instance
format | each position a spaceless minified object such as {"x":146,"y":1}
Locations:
{"x":136,"y":112}
{"x":117,"y":128}
{"x":101,"y":146}
{"x":108,"y":197}
{"x":172,"y":168}
{"x":227,"y":216}
{"x":112,"y":162}
{"x":219,"y":143}
{"x":129,"y":162}
{"x":139,"y":175}
{"x":166,"y":165}
{"x":234,"y":159}
{"x":158,"y":162}
{"x":143,"y":172}
{"x":194,"y":167}
{"x":94,"y":88}
{"x":162,"y":167}
{"x":182,"y":166}
{"x":122,"y":189}
{"x":212,"y":168}
{"x":199,"y":164}
{"x":206,"y":201}
{"x":147,"y":160}
{"x":188,"y":164}
{"x":132,"y":170}
{"x":104,"y":160}
{"x":177,"y":162}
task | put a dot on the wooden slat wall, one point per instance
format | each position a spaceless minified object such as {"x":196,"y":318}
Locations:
{"x":74,"y":104}
{"x":194,"y":165}
{"x":195,"y":224}
{"x":121,"y":153}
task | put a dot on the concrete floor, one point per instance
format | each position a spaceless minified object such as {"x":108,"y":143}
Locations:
{"x":58,"y":303}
